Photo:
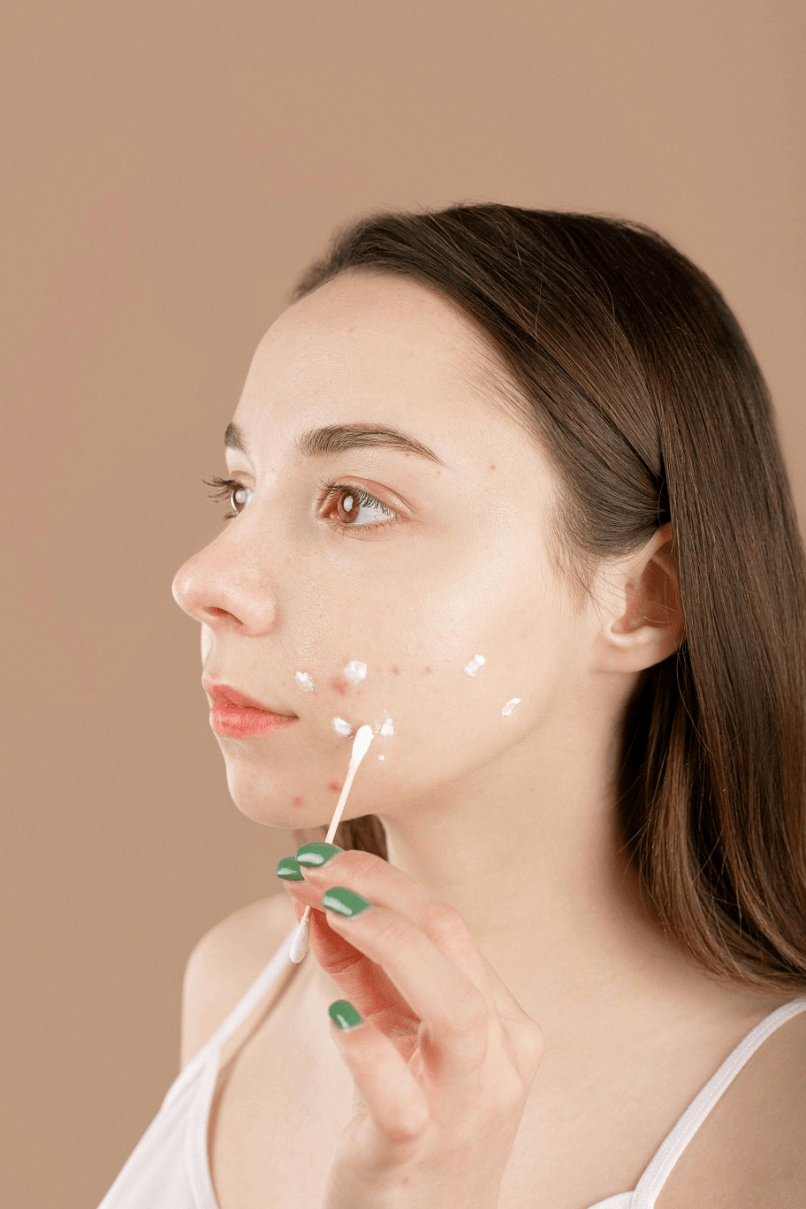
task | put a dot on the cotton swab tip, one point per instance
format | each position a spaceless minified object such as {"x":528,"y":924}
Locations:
{"x":361,"y":742}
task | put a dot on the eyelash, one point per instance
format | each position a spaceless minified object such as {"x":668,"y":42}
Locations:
{"x":227,"y":488}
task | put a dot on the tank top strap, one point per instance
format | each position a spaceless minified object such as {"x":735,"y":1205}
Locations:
{"x":667,"y":1154}
{"x":251,"y":996}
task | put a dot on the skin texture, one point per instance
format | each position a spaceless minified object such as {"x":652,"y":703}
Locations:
{"x":508,"y":819}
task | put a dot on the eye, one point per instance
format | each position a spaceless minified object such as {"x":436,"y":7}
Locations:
{"x":351,"y":502}
{"x":228,"y":489}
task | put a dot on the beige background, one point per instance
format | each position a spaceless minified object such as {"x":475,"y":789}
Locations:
{"x":169,"y":169}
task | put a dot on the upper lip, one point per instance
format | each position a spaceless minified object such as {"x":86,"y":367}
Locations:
{"x":225,"y":692}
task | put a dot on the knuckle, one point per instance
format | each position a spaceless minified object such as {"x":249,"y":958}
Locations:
{"x":531,"y":1045}
{"x":409,"y":1126}
{"x":445,"y":922}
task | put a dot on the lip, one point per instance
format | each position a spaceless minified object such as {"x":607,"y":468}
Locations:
{"x":230,"y":696}
{"x":237,"y":723}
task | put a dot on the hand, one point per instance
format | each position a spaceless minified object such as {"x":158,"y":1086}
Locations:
{"x":445,"y":1058}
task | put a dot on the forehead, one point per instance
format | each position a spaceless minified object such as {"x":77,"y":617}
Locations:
{"x":371,"y":346}
{"x":367,"y":321}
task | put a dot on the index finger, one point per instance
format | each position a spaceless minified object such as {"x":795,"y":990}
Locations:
{"x":384,"y":885}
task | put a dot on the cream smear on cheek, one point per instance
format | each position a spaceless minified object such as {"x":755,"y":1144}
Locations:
{"x":473,"y":666}
{"x":355,"y":671}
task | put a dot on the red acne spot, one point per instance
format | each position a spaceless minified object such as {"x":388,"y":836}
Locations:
{"x":339,"y":685}
{"x":429,"y":669}
{"x":395,"y":670}
{"x":297,"y":801}
{"x":492,"y":467}
{"x":334,"y":785}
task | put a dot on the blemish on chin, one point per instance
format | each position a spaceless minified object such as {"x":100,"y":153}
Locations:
{"x":395,"y":670}
{"x":334,"y":786}
{"x":297,"y":801}
{"x":339,"y":685}
{"x":429,"y":669}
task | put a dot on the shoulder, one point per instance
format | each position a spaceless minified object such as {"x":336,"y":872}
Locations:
{"x":225,"y":962}
{"x":774,"y":1128}
{"x":750,"y":1152}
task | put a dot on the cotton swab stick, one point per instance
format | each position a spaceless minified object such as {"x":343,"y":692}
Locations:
{"x":361,"y":742}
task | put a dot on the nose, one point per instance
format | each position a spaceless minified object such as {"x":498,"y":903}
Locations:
{"x":217,"y":589}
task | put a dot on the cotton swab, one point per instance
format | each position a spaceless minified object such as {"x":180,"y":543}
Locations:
{"x":361,"y":742}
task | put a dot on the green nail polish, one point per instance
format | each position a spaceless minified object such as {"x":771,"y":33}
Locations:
{"x":288,"y":869}
{"x":344,"y":1014}
{"x":313,"y":856}
{"x":345,"y":902}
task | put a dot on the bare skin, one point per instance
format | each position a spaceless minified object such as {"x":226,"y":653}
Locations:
{"x":508,"y":818}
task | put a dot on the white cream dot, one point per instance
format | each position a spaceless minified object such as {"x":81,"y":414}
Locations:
{"x":386,"y":727}
{"x":474,"y":665}
{"x":381,"y":757}
{"x":305,"y":682}
{"x":341,"y":727}
{"x":510,"y":705}
{"x":355,"y":671}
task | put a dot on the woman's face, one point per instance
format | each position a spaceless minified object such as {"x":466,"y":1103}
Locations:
{"x":449,"y":564}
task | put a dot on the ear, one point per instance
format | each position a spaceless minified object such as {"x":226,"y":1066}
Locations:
{"x":651,"y":625}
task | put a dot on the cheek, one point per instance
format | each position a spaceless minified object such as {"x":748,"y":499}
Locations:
{"x":462,"y":655}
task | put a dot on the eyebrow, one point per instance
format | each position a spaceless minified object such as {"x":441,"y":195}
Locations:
{"x":339,"y":438}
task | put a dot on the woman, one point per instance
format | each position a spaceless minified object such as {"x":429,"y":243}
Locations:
{"x":505,"y":484}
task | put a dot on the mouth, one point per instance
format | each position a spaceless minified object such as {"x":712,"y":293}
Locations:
{"x":228,"y":695}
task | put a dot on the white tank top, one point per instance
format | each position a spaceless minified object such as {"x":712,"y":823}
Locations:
{"x":169,"y":1168}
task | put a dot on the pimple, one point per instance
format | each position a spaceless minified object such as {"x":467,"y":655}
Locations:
{"x":297,"y":801}
{"x":492,"y":467}
{"x":339,"y":685}
{"x":334,"y":786}
{"x":429,"y":669}
{"x":395,"y":670}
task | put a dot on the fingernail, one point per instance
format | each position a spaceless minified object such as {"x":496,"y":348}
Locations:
{"x":344,"y":1014}
{"x":313,"y":856}
{"x":345,"y":902}
{"x":288,"y":869}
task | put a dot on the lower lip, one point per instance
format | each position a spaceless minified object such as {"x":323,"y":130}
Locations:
{"x":239,"y":723}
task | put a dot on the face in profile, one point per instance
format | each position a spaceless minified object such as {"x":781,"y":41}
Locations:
{"x":371,"y":581}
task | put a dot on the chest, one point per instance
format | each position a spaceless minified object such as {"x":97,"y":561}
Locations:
{"x":592,"y":1124}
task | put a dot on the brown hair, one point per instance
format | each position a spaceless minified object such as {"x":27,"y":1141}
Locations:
{"x":623,"y":361}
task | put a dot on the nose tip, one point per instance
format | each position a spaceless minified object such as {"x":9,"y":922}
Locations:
{"x":180,"y":590}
